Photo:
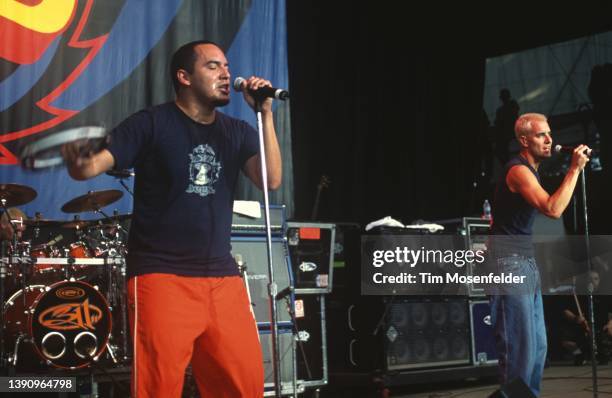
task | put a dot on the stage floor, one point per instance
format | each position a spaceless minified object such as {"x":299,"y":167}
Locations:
{"x":560,"y":381}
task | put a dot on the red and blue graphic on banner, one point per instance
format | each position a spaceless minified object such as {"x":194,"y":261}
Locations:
{"x":60,"y":61}
{"x":35,"y":32}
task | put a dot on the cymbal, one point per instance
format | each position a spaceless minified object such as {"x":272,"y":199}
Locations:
{"x":92,"y":201}
{"x":16,"y":195}
{"x":78,"y":224}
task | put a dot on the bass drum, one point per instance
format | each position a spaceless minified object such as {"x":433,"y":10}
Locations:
{"x":68,"y":323}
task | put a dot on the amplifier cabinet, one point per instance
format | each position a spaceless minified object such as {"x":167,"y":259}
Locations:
{"x":254,"y":253}
{"x":245,"y":225}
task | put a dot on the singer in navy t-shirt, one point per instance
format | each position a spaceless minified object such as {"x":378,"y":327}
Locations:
{"x":186,"y":301}
{"x":186,"y":173}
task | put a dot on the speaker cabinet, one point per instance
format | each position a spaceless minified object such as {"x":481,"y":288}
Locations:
{"x":253,"y":251}
{"x":395,"y":334}
{"x":426,"y":333}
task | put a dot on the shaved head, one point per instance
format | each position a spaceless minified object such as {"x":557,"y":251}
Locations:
{"x":527,"y":123}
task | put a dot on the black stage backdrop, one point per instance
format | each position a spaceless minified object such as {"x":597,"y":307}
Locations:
{"x":388,"y":102}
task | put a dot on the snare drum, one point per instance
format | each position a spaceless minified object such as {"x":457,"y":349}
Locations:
{"x":67,"y":323}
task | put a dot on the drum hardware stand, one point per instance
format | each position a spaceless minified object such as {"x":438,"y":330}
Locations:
{"x":118,"y":301}
{"x":37,"y":216}
{"x":3,"y":275}
{"x":13,"y":360}
{"x":69,"y":263}
{"x":111,"y":351}
{"x":12,"y":258}
{"x":123,"y":305}
{"x":112,"y":296}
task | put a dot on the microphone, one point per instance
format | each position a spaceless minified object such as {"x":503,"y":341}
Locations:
{"x":238,"y":259}
{"x":240,"y":262}
{"x":570,"y":149}
{"x":262,"y":92}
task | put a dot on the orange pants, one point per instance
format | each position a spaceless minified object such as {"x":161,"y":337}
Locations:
{"x":205,"y":320}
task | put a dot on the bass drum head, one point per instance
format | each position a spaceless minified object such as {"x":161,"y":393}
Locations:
{"x":15,"y":309}
{"x":70,"y":324}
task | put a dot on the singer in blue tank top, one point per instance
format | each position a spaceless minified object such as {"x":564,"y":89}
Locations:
{"x":518,"y":315}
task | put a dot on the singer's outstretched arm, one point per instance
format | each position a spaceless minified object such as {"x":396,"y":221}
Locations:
{"x":274,"y":165}
{"x":521,"y":180}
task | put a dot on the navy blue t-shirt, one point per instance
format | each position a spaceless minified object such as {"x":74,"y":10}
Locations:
{"x":186,"y":173}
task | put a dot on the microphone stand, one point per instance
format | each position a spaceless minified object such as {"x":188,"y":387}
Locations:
{"x":4,"y":265}
{"x":272,"y":286}
{"x":590,"y":286}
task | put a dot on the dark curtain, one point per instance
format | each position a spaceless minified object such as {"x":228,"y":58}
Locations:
{"x":392,"y":121}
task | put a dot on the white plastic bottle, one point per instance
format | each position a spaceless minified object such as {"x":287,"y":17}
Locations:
{"x":486,"y":210}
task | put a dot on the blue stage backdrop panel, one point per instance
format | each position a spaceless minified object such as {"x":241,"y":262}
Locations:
{"x":95,"y":62}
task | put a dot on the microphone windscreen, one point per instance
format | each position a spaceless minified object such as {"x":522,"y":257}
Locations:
{"x":238,"y":83}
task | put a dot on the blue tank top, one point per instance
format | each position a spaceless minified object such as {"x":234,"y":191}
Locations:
{"x":512,"y":216}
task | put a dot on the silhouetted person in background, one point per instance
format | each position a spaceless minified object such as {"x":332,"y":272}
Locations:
{"x":575,"y":330}
{"x":505,"y":117}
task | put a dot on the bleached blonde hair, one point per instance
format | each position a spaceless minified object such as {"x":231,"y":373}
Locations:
{"x":524,"y":124}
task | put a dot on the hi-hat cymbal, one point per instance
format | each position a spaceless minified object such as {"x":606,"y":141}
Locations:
{"x":92,"y":201}
{"x":16,"y":195}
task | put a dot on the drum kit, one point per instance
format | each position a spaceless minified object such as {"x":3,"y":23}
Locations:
{"x":63,"y":301}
